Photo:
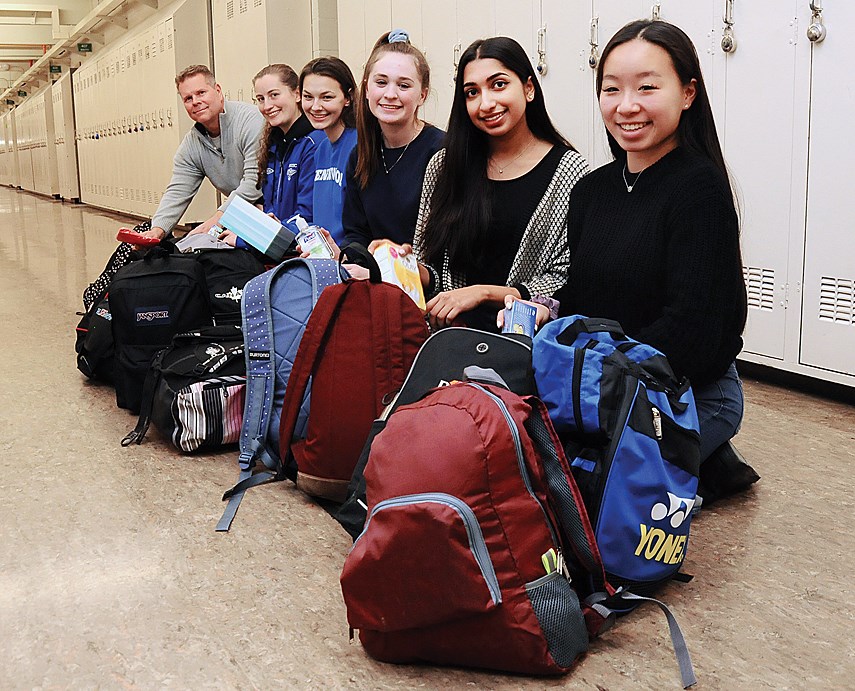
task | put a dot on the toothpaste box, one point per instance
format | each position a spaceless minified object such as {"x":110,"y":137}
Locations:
{"x":400,"y":271}
{"x":520,"y":319}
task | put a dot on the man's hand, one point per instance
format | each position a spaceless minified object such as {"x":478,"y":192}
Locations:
{"x":207,"y":225}
{"x":154,"y":232}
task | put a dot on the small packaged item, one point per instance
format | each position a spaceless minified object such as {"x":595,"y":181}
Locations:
{"x":256,"y":228}
{"x":311,"y":239}
{"x":135,"y":237}
{"x":402,"y":271}
{"x":520,"y":319}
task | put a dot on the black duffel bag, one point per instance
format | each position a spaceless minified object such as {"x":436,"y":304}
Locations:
{"x":194,"y":391}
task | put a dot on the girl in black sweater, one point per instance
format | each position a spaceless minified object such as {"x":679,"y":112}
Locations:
{"x":654,"y":235}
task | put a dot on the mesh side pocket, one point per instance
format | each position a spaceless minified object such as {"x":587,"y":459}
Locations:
{"x":557,"y":608}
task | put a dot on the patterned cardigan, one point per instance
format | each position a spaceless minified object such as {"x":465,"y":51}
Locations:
{"x":543,"y":258}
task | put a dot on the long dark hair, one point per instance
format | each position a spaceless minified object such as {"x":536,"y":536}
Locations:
{"x":335,"y":68}
{"x":367,"y":127}
{"x":461,"y":206}
{"x":696,"y":131}
{"x":270,"y":134}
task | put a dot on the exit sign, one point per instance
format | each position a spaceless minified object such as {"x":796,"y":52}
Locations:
{"x":10,"y":102}
{"x":84,"y":47}
{"x":22,"y":94}
{"x":55,"y":68}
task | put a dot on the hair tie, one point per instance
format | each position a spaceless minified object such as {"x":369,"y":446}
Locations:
{"x":398,"y":36}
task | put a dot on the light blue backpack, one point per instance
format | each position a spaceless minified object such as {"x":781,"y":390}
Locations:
{"x":275,"y":308}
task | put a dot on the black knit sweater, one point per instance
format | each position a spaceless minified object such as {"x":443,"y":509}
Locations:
{"x":663,"y":260}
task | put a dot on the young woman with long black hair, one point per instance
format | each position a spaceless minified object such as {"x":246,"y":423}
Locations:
{"x":494,"y":203}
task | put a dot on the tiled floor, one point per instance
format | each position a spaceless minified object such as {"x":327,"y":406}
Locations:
{"x":111,"y":574}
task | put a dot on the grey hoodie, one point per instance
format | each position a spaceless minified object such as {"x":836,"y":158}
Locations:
{"x":233,"y":169}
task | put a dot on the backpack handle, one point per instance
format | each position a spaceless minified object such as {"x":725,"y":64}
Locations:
{"x":586,"y":325}
{"x":356,"y":251}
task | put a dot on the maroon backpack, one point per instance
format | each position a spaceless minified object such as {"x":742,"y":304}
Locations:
{"x":461,"y":558}
{"x":358,"y":347}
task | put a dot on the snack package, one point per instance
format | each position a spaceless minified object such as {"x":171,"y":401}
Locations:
{"x":520,"y":318}
{"x":400,"y":271}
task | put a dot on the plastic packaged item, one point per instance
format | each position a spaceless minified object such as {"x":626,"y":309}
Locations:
{"x":520,"y":318}
{"x":311,"y":239}
{"x":256,"y":228}
{"x":135,"y":238}
{"x":402,"y":271}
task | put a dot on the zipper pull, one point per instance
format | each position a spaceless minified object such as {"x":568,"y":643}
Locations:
{"x":657,"y":423}
{"x":562,"y":567}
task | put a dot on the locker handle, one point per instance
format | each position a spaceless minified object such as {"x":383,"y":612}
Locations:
{"x":728,"y":40}
{"x":816,"y":31}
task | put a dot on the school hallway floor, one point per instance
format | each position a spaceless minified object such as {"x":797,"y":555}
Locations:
{"x":111,"y":574}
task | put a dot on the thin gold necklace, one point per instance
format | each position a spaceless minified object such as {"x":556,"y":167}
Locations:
{"x":501,"y":169}
{"x":397,"y":160}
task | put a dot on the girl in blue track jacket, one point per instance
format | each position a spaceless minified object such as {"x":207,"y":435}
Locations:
{"x":286,"y":160}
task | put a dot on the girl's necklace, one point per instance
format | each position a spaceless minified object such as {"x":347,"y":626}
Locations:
{"x":634,"y":182}
{"x":501,"y":169}
{"x":397,"y":160}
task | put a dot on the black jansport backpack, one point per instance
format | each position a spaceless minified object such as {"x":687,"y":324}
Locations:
{"x":151,"y":301}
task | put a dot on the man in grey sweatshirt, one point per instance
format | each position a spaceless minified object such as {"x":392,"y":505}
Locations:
{"x":222,"y":146}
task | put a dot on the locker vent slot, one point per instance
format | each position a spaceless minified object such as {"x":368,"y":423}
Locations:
{"x":257,"y":3}
{"x":169,"y":41}
{"x":760,"y":285}
{"x":230,"y":9}
{"x":837,"y":300}
{"x":243,"y":6}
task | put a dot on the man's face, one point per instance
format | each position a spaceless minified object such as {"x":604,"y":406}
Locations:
{"x":203,"y":102}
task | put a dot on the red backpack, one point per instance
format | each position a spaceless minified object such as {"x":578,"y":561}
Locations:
{"x":358,"y":346}
{"x":461,"y":561}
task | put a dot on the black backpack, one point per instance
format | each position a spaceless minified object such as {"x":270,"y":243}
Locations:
{"x":94,"y":343}
{"x":194,"y":391}
{"x":226,"y":273}
{"x":151,"y":301}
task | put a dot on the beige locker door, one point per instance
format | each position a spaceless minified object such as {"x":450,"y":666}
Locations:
{"x":568,"y":84}
{"x":360,"y":24}
{"x":608,"y":16}
{"x":51,"y":159}
{"x":828,"y":316}
{"x":433,"y":30}
{"x":766,"y":156}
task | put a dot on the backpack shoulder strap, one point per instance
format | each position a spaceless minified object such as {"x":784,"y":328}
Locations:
{"x":257,"y":316}
{"x":308,"y":354}
{"x":260,"y":379}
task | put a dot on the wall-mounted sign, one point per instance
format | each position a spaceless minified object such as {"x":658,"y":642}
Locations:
{"x":84,"y":47}
{"x":10,"y":102}
{"x":55,"y":69}
{"x":22,"y":94}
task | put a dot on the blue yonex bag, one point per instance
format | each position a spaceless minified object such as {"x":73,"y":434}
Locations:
{"x":630,"y":434}
{"x":275,"y":308}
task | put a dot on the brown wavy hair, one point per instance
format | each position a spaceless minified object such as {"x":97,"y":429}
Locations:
{"x":270,"y":134}
{"x":367,"y":127}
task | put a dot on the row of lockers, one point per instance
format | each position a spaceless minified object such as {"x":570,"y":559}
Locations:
{"x":786,"y":160}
